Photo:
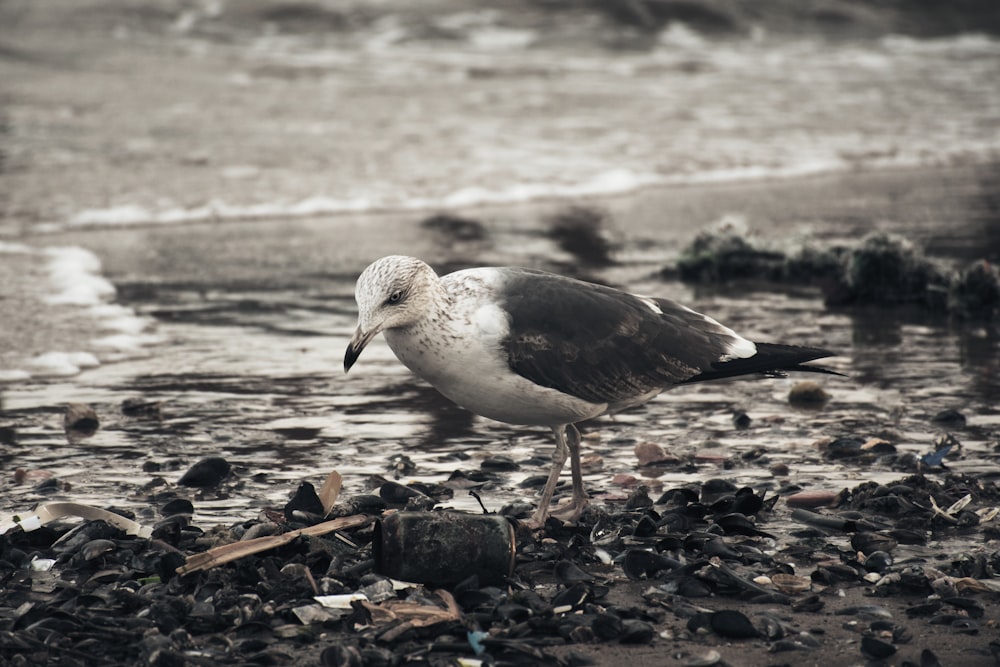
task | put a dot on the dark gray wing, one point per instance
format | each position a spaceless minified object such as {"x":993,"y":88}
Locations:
{"x":600,"y":344}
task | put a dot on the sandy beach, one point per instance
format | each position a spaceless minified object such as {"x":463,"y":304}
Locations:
{"x":189,"y":190}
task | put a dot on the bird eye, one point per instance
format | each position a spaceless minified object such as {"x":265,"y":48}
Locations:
{"x":395,"y":297}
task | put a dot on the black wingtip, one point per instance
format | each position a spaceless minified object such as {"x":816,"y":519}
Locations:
{"x":773,"y":360}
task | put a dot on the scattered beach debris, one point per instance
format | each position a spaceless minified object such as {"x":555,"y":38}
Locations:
{"x":444,"y":548}
{"x":227,"y":553}
{"x":330,"y":491}
{"x":49,"y":512}
{"x":698,"y":554}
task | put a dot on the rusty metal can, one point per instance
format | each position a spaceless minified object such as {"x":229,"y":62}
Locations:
{"x":442,"y":548}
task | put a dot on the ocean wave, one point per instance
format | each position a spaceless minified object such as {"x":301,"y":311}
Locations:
{"x":613,"y":181}
{"x":74,"y":306}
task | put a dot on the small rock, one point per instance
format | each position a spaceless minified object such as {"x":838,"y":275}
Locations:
{"x":845,"y":447}
{"x":177,"y":506}
{"x":808,"y":393}
{"x":878,"y":446}
{"x":640,"y":563}
{"x":876,"y":649}
{"x":401,"y":464}
{"x":732,"y":624}
{"x":140,"y":408}
{"x":80,"y":420}
{"x":95,"y":549}
{"x":636,"y":632}
{"x":341,"y":656}
{"x":305,"y":504}
{"x":709,"y":659}
{"x":570,"y":573}
{"x":499,"y":463}
{"x":791,"y":583}
{"x":779,"y":470}
{"x":928,"y":659}
{"x":812,"y":499}
{"x":950,"y":418}
{"x":395,"y":493}
{"x":206,"y":473}
{"x":870,"y":542}
{"x":639,"y":498}
{"x":649,"y":453}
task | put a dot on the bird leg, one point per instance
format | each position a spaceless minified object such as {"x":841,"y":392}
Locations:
{"x":558,"y":460}
{"x":564,"y":446}
{"x":573,"y":443}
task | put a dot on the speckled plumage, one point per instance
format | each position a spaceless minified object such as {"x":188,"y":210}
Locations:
{"x":530,"y":347}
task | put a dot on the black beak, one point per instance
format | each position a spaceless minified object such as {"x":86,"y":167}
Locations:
{"x":350,"y":357}
{"x":356,"y":347}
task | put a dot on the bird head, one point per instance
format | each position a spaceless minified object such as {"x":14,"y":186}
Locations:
{"x":391,"y":293}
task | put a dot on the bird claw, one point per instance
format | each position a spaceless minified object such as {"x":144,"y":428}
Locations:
{"x":567,"y":513}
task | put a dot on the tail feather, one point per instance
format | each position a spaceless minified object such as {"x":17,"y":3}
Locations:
{"x":771,"y":360}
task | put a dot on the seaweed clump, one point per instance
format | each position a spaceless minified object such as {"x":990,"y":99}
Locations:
{"x":882,"y":270}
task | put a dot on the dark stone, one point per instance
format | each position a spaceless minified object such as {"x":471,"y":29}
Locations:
{"x":950,"y":417}
{"x":177,"y":506}
{"x":732,"y":624}
{"x":206,"y":473}
{"x":305,"y":504}
{"x":395,"y":493}
{"x":636,"y":632}
{"x":499,"y":464}
{"x":80,"y":420}
{"x":876,"y":649}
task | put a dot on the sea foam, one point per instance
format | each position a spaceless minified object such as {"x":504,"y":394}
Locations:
{"x":74,"y":305}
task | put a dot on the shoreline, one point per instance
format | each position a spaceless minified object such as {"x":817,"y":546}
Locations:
{"x":866,"y":178}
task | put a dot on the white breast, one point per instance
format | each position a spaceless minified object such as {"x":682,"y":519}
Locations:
{"x":460,"y":353}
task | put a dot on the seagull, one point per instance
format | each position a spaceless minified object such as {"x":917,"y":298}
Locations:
{"x":528,"y":347}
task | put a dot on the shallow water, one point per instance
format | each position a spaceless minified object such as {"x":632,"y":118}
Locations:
{"x":254,"y":325}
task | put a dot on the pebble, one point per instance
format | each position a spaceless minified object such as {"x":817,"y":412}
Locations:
{"x":140,"y":408}
{"x":177,"y":506}
{"x":80,"y":421}
{"x":732,"y":624}
{"x":876,"y":649}
{"x":810,"y":499}
{"x":206,"y":473}
{"x":808,"y":393}
{"x":649,"y":453}
{"x":707,"y":659}
{"x":950,"y":418}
